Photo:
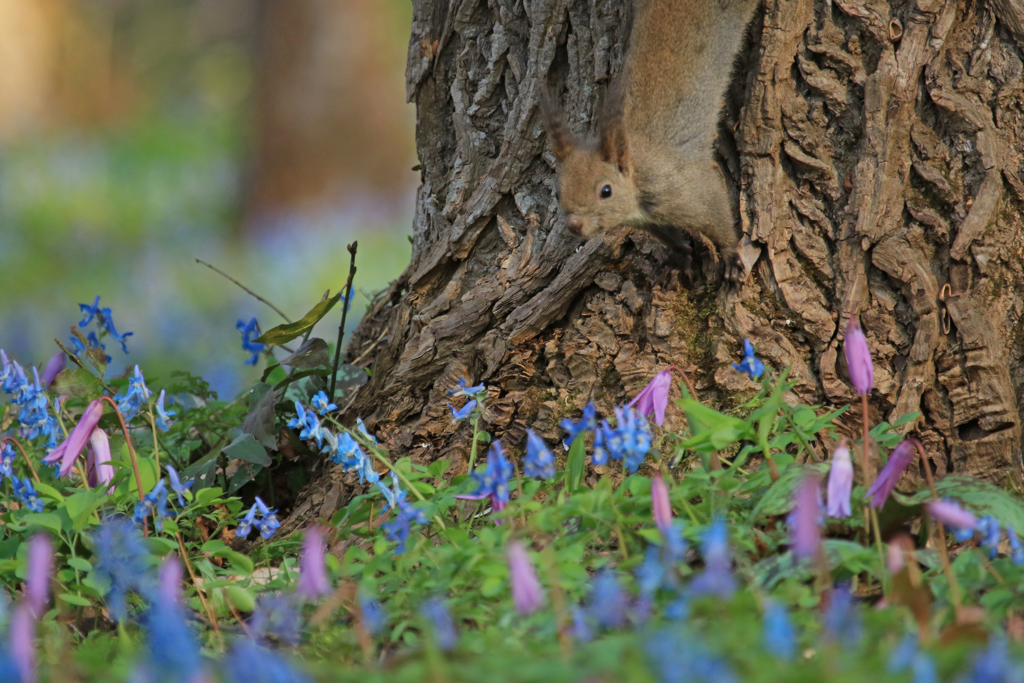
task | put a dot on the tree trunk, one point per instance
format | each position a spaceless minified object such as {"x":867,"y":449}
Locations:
{"x":876,"y":150}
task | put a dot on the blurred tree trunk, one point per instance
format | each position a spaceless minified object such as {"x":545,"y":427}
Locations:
{"x":876,"y":149}
{"x":329,"y":118}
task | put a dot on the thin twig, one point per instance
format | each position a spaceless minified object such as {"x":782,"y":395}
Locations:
{"x":686,"y":379}
{"x":24,"y":455}
{"x":868,"y":479}
{"x":947,"y":567}
{"x":199,"y":591}
{"x":344,"y":314}
{"x":244,"y":288}
{"x":371,"y":347}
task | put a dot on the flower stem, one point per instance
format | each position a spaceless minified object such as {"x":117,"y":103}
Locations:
{"x":868,"y":478}
{"x":24,"y":455}
{"x":199,"y":591}
{"x":954,"y":586}
{"x":131,"y":454}
{"x":472,"y":448}
{"x":344,"y":314}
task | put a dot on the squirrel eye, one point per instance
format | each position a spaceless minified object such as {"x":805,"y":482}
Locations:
{"x":606,"y":192}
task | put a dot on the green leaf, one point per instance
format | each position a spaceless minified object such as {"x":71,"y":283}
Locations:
{"x":437,"y":468}
{"x":79,"y":563}
{"x":980,"y":497}
{"x":205,"y":496}
{"x":491,"y":586}
{"x":240,"y":598}
{"x":577,"y":461}
{"x":73,"y":599}
{"x":77,"y":383}
{"x":312,"y":354}
{"x":239,"y":560}
{"x":204,"y":470}
{"x":282,"y":334}
{"x":779,"y":497}
{"x":47,"y":520}
{"x":49,"y":492}
{"x":158,"y":545}
{"x":81,"y":506}
{"x":246,"y":448}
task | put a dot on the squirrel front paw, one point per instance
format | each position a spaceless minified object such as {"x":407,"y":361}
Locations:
{"x":734,"y":270}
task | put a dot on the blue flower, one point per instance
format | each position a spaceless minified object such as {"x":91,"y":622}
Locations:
{"x":601,"y":455}
{"x":153,"y":503}
{"x":107,"y":323}
{"x":680,"y":658}
{"x":123,"y":563}
{"x":587,"y":423}
{"x":247,"y":662}
{"x":89,"y":312}
{"x":464,"y":390}
{"x":162,"y":416}
{"x":392,"y":496}
{"x":7,"y":456}
{"x":539,"y":461}
{"x":993,"y":664}
{"x":650,"y":574}
{"x":322,"y":404}
{"x":903,"y":655}
{"x":366,"y":472}
{"x":779,"y":636}
{"x":991,"y":533}
{"x":26,"y":493}
{"x":177,"y":486}
{"x":374,"y":618}
{"x":842,"y":620}
{"x":173,"y":653}
{"x":493,"y":483}
{"x":105,"y":320}
{"x":678,"y":609}
{"x":717,"y":578}
{"x":1016,"y":550}
{"x":276,"y":617}
{"x":750,"y":364}
{"x":249,"y":331}
{"x":346,"y":452}
{"x":398,"y":529}
{"x":581,"y":631}
{"x":269,"y":522}
{"x":630,"y":440}
{"x":607,"y":601}
{"x":246,"y":523}
{"x":135,"y":397}
{"x":361,"y":428}
{"x":462,"y":413}
{"x":440,"y":618}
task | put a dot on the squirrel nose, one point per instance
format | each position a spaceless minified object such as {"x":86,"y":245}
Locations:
{"x":576,"y":224}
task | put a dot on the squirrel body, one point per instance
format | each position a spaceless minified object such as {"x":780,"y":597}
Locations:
{"x":652,"y":165}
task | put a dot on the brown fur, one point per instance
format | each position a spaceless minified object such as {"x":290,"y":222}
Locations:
{"x":654,"y":148}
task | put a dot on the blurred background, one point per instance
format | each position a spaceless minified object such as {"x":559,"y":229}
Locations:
{"x":261,"y":136}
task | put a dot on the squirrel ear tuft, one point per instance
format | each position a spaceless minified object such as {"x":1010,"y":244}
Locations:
{"x":614,"y":146}
{"x":562,"y":141}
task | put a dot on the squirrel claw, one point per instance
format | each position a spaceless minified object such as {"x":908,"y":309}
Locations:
{"x":734,"y":271}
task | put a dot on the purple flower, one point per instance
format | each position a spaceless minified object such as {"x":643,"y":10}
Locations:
{"x":805,"y":519}
{"x":313,"y":581}
{"x":37,"y":575}
{"x":98,"y":469}
{"x":527,"y":594}
{"x":68,"y":451}
{"x":660,"y":504}
{"x":952,"y":515}
{"x":899,"y":460}
{"x":493,"y":483}
{"x":22,"y":642}
{"x":653,"y":399}
{"x":169,"y":579}
{"x":858,"y":359}
{"x":53,"y":367}
{"x":840,"y":482}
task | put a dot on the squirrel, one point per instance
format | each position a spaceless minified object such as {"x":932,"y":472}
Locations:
{"x":652,"y":165}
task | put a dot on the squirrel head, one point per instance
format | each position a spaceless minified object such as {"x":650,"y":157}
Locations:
{"x":595,"y":177}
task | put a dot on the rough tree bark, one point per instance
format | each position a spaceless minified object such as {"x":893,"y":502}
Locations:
{"x":876,"y":151}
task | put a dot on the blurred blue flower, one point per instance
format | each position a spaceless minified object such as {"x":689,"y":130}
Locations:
{"x":249,"y":331}
{"x":440,"y":618}
{"x":903,"y":655}
{"x":679,"y":609}
{"x":993,"y":665}
{"x":539,"y":461}
{"x":678,"y":657}
{"x":398,"y":529}
{"x":135,"y":397}
{"x":463,"y":412}
{"x":25,"y":491}
{"x":374,"y":618}
{"x":1016,"y":550}
{"x":173,"y":652}
{"x":321,"y":403}
{"x":842,"y":619}
{"x":650,"y":574}
{"x":276,"y":617}
{"x":581,"y":631}
{"x":587,"y":423}
{"x":717,"y":578}
{"x":601,"y":455}
{"x":153,"y":503}
{"x":779,"y":636}
{"x":393,"y":495}
{"x":247,"y":662}
{"x":162,"y":416}
{"x":750,"y":364}
{"x":464,"y":390}
{"x":630,"y":440}
{"x":990,"y":533}
{"x":177,"y":486}
{"x":607,"y":601}
{"x":123,"y":563}
{"x":493,"y":483}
